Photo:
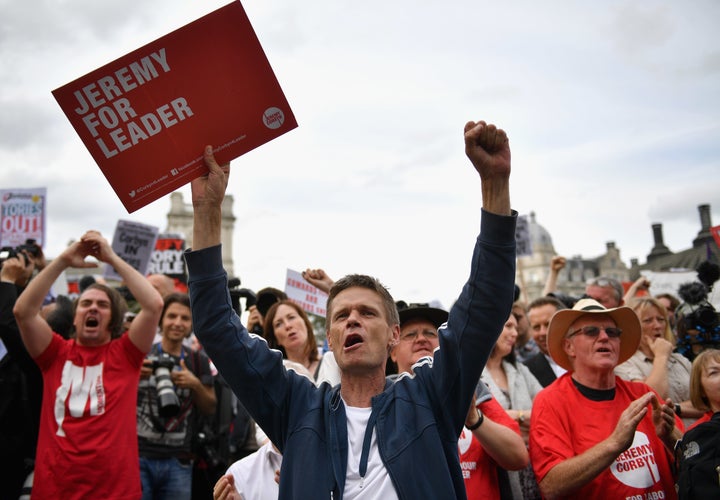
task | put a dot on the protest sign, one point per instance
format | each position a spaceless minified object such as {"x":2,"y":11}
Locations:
{"x":167,"y":259}
{"x":671,"y":281}
{"x":22,"y":216}
{"x":715,"y":230}
{"x":523,"y":244}
{"x":307,"y":296}
{"x":134,"y":243}
{"x":146,"y":117}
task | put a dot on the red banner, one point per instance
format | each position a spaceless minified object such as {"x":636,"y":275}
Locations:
{"x":146,"y":117}
{"x":715,"y":230}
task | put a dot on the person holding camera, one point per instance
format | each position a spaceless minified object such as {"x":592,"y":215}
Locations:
{"x":86,"y":444}
{"x":20,"y":378}
{"x":175,"y":385}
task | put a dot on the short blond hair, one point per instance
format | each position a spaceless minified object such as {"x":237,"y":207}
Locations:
{"x":698,"y":398}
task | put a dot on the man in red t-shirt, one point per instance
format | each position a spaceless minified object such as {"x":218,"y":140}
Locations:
{"x":490,"y":438}
{"x":87,"y":445}
{"x":592,"y":434}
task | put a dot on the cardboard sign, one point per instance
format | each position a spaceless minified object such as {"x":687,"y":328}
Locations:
{"x":134,"y":243}
{"x":146,"y":117}
{"x":167,"y":259}
{"x":715,"y":231}
{"x":22,"y":216}
{"x":307,"y":296}
{"x":523,"y":243}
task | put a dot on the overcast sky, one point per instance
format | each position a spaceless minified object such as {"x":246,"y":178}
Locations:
{"x":612,"y":109}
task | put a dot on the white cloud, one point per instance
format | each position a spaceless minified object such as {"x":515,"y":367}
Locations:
{"x":613,"y":115}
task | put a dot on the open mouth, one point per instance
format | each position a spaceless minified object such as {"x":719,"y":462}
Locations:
{"x":92,"y":322}
{"x":353,"y":339}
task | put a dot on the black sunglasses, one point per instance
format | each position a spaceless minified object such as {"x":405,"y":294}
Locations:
{"x":593,"y":331}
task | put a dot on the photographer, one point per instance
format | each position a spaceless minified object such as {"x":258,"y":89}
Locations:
{"x":175,"y":385}
{"x":20,"y":378}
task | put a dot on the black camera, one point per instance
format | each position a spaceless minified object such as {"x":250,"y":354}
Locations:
{"x":697,"y":322}
{"x":204,"y":444}
{"x":30,"y":247}
{"x":167,"y":401}
{"x":237,"y":293}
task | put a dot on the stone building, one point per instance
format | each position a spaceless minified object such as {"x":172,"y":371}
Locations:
{"x":661,"y":258}
{"x":180,"y":221}
{"x":533,"y":270}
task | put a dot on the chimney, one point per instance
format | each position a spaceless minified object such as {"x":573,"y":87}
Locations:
{"x":705,"y":225}
{"x":659,"y":249}
{"x":610,"y":245}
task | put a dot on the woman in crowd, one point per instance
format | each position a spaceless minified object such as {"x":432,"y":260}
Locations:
{"x":705,"y":384}
{"x":655,"y":363}
{"x":514,"y":387}
{"x":288,"y":329}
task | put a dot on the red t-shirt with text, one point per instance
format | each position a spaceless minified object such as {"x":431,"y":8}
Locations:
{"x":87,"y":445}
{"x":480,"y":471}
{"x":564,"y":424}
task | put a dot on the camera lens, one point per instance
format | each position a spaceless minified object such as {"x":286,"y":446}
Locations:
{"x":168,"y":402}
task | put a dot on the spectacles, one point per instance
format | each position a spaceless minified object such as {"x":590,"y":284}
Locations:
{"x":593,"y":331}
{"x":411,"y":336}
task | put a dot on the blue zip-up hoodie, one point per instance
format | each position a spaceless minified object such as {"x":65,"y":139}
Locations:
{"x":417,"y":418}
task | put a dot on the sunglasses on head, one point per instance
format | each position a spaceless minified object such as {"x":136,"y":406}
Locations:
{"x":593,"y":331}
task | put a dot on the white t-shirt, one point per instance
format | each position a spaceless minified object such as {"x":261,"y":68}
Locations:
{"x":376,"y":483}
{"x":329,"y":371}
{"x":255,"y":474}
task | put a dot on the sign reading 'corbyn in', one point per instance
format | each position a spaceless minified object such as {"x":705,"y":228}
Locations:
{"x":146,"y":117}
{"x":134,"y":243}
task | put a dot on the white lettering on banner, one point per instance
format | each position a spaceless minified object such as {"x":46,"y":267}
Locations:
{"x":652,"y":495}
{"x":82,"y":384}
{"x":636,"y":466}
{"x":111,"y":119}
{"x":106,"y":88}
{"x":21,"y":224}
{"x":149,"y":126}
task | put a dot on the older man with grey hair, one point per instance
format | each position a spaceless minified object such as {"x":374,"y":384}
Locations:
{"x":592,"y":434}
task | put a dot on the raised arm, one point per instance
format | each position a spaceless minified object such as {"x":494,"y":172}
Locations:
{"x":477,"y":317}
{"x":319,"y":279}
{"x":35,"y":331}
{"x":143,"y":327}
{"x":207,"y":196}
{"x":640,"y":284}
{"x":488,"y":149}
{"x":557,"y":263}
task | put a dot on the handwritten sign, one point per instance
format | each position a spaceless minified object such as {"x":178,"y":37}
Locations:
{"x":134,"y":243}
{"x":307,"y":296}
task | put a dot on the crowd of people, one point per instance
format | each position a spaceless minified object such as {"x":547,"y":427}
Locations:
{"x":162,"y":394}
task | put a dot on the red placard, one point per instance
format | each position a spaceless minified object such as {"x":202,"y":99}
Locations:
{"x":715,"y":230}
{"x":146,"y":117}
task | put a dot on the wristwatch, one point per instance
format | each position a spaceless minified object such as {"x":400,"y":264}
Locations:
{"x":481,"y":419}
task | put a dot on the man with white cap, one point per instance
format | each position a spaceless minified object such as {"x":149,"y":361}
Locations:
{"x":592,"y":434}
